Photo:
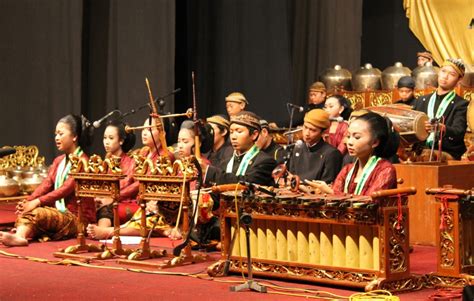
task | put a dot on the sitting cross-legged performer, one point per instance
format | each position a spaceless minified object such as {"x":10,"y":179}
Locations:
{"x":117,"y":142}
{"x":315,"y":159}
{"x":51,"y":210}
{"x":371,"y":141}
{"x":152,"y":150}
{"x":247,"y":163}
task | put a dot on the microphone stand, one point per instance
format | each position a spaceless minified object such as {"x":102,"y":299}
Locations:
{"x":133,"y":111}
{"x":250,"y":284}
{"x":435,"y":134}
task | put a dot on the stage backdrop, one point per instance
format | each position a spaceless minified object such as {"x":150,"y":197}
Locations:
{"x":80,"y":56}
{"x":269,"y":50}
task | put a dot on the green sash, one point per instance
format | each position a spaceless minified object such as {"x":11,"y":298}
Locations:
{"x":61,"y":177}
{"x":440,"y":112}
{"x":252,"y":152}
{"x":368,"y":168}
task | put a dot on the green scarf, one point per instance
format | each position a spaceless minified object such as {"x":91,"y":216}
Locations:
{"x":440,"y":112}
{"x":61,"y":177}
{"x":252,"y":152}
{"x":368,"y":168}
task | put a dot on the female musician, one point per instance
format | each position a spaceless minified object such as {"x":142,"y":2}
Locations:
{"x":50,"y":211}
{"x":339,"y":110}
{"x":117,"y":142}
{"x":370,"y":140}
{"x":160,"y":219}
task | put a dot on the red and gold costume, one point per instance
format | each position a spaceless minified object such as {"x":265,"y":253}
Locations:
{"x":382,"y":177}
{"x":336,"y":139}
{"x":47,"y":220}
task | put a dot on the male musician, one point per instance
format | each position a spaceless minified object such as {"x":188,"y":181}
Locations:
{"x":315,"y":159}
{"x":316,"y":96}
{"x":222,"y":149}
{"x":248,"y":163}
{"x":235,"y":102}
{"x":423,"y":58}
{"x":266,"y":144}
{"x":406,"y":90}
{"x":446,"y":110}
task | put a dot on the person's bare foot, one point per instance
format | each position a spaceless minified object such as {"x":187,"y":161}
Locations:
{"x":12,"y":240}
{"x":96,"y":232}
{"x":175,"y":234}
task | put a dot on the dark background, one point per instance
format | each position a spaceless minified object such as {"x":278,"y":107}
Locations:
{"x":91,"y":56}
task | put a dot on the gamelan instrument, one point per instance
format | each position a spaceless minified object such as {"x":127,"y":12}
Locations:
{"x":455,"y":237}
{"x":409,"y":123}
{"x":357,"y":241}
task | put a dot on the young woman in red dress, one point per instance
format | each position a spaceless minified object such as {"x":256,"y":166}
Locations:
{"x":117,"y":142}
{"x":339,"y":110}
{"x":371,"y":140}
{"x":50,"y":211}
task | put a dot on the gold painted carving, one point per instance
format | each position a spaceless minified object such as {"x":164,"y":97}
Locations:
{"x":25,"y":156}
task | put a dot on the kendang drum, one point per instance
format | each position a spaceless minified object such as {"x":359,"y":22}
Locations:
{"x":408,"y":123}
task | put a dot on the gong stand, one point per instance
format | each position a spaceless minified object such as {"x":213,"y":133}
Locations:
{"x":163,"y":188}
{"x":93,"y":179}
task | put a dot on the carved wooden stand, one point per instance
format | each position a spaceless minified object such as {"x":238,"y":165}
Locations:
{"x":455,"y":239}
{"x":293,"y":221}
{"x":162,"y":188}
{"x":92,"y":185}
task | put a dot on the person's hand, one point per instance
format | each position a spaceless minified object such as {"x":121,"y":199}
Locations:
{"x":430,"y":127}
{"x":25,"y":206}
{"x":151,"y":207}
{"x":103,"y":201}
{"x":322,"y":186}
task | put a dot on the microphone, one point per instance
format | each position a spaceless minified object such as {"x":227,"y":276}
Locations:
{"x":337,"y":119}
{"x":297,"y":144}
{"x":6,"y":151}
{"x":299,"y":108}
{"x":97,"y":123}
{"x":160,"y":100}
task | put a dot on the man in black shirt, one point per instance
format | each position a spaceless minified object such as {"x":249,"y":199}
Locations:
{"x":445,"y":108}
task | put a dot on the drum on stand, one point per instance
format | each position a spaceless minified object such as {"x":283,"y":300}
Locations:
{"x":410,"y":124}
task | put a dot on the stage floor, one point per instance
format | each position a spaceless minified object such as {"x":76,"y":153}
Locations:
{"x":33,"y":273}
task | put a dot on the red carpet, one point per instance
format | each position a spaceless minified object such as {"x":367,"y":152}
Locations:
{"x":24,"y":279}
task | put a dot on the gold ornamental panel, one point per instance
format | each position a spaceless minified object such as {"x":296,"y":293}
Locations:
{"x":447,"y":246}
{"x":380,"y":98}
{"x":25,"y":156}
{"x":357,"y":99}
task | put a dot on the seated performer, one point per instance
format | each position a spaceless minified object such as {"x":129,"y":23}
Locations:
{"x":446,"y":110}
{"x":267,"y":145}
{"x":316,"y":96}
{"x":248,"y":163}
{"x":50,"y":211}
{"x":406,"y":90}
{"x":152,"y":150}
{"x":370,"y":141}
{"x":423,"y":58}
{"x":235,"y":102}
{"x":315,"y":159}
{"x":316,"y":100}
{"x":339,"y":110}
{"x":222,"y":149}
{"x":117,"y":142}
